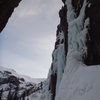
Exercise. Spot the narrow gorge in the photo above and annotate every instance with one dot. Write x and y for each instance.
(75, 68)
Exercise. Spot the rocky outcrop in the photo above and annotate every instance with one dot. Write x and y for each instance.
(63, 26)
(6, 9)
(15, 87)
(10, 79)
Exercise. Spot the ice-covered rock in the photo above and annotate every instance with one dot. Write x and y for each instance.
(74, 74)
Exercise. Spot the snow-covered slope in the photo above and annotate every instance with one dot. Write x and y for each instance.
(80, 83)
(14, 86)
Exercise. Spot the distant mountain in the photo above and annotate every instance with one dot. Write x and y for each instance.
(15, 87)
(34, 80)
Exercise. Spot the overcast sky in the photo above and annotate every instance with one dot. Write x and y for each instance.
(28, 39)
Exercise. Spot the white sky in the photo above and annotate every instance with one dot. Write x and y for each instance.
(28, 39)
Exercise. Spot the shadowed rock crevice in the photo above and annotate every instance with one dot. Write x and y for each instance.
(93, 38)
(53, 85)
(63, 26)
(77, 4)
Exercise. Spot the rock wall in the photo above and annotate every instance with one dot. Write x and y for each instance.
(93, 38)
(59, 53)
(78, 36)
(6, 9)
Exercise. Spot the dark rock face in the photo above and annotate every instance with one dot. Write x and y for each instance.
(62, 29)
(8, 78)
(6, 9)
(52, 87)
(63, 26)
(93, 42)
(11, 79)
